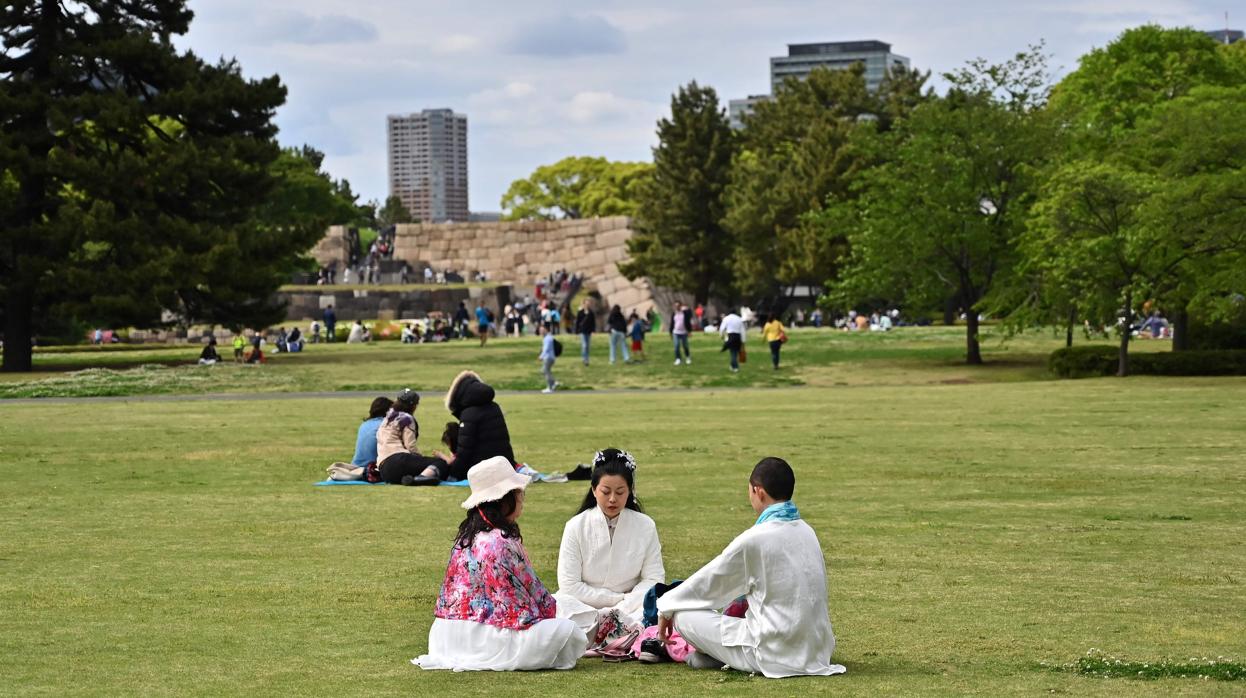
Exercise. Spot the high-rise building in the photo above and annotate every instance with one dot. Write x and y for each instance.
(876, 56)
(428, 164)
(1226, 36)
(836, 55)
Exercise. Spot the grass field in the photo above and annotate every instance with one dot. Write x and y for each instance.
(907, 356)
(976, 535)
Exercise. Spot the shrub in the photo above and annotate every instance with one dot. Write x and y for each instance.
(1101, 360)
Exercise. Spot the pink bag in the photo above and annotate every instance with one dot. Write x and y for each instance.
(678, 648)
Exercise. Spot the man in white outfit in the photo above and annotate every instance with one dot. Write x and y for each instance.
(777, 566)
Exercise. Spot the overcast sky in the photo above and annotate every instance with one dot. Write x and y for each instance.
(546, 79)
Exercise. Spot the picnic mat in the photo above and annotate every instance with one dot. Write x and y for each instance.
(524, 469)
(326, 483)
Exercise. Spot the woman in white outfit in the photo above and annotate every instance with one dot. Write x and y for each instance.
(493, 612)
(610, 555)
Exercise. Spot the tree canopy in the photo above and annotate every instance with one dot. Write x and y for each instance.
(138, 181)
(680, 241)
(576, 187)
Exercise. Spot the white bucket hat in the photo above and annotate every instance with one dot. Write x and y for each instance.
(491, 479)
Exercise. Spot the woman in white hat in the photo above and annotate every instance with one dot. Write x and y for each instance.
(493, 612)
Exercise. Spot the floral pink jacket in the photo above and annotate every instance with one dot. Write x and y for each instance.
(493, 582)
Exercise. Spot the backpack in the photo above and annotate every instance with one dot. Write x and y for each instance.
(557, 348)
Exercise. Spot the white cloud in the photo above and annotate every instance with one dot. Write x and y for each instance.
(455, 43)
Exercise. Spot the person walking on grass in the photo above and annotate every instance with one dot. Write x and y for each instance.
(618, 334)
(775, 336)
(778, 567)
(330, 323)
(460, 320)
(681, 325)
(585, 325)
(732, 332)
(637, 333)
(482, 322)
(548, 356)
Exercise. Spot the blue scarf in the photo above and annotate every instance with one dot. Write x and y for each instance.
(779, 511)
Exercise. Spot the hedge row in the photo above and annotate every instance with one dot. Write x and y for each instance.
(1100, 360)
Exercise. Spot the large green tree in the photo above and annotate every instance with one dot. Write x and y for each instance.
(576, 187)
(940, 214)
(796, 151)
(1107, 113)
(134, 174)
(680, 241)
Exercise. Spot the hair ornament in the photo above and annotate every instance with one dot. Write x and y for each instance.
(599, 459)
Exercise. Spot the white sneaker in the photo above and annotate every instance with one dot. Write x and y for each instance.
(548, 390)
(688, 360)
(677, 362)
(696, 660)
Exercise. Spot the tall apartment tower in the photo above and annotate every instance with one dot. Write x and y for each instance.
(428, 164)
(835, 55)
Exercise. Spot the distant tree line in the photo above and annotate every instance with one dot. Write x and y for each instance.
(1040, 204)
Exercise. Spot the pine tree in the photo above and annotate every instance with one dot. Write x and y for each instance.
(134, 177)
(679, 240)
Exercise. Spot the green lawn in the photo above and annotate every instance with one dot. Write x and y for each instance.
(906, 356)
(972, 531)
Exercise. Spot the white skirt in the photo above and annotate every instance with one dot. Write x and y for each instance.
(464, 645)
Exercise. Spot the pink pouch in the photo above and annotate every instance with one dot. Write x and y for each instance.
(678, 648)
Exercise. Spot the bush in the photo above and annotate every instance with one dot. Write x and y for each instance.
(1100, 360)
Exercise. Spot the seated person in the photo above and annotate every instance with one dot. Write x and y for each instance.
(208, 356)
(610, 554)
(482, 426)
(365, 439)
(777, 566)
(398, 459)
(493, 612)
(408, 334)
(294, 342)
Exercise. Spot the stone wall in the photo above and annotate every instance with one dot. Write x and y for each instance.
(518, 253)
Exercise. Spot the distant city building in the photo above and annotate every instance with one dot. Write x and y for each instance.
(737, 109)
(836, 55)
(1226, 36)
(428, 164)
(801, 59)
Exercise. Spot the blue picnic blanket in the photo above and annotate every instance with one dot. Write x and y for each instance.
(326, 483)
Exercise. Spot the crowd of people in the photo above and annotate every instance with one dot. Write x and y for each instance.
(613, 599)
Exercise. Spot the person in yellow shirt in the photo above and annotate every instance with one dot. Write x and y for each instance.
(775, 336)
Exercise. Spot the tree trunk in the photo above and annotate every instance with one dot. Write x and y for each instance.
(973, 353)
(1181, 330)
(1122, 366)
(17, 330)
(1068, 332)
(949, 310)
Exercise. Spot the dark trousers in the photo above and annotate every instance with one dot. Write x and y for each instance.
(734, 343)
(774, 352)
(396, 466)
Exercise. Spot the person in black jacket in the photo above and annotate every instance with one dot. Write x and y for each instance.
(585, 325)
(618, 334)
(482, 426)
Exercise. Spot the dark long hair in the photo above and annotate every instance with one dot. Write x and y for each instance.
(380, 407)
(612, 461)
(486, 517)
